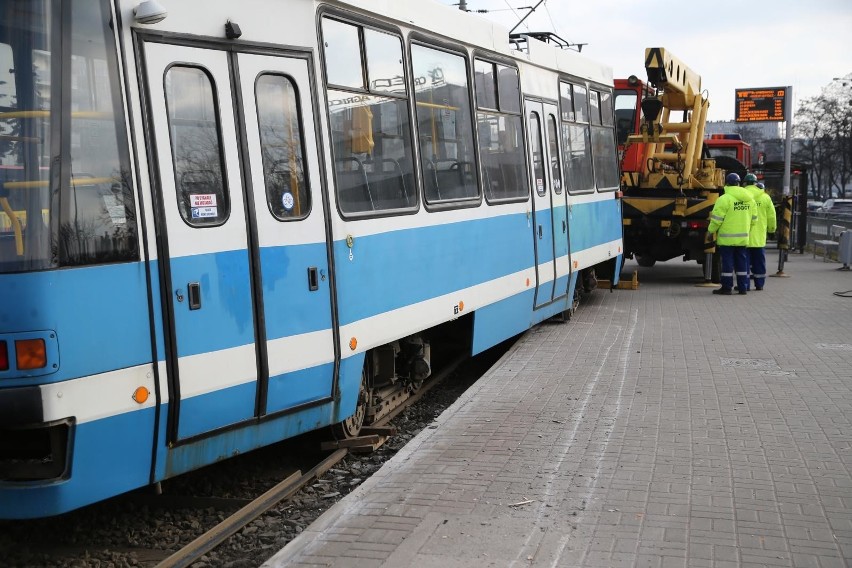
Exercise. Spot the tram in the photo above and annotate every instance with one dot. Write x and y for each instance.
(226, 224)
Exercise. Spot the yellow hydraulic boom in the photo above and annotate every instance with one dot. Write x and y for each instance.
(672, 155)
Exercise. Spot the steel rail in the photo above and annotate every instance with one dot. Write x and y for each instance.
(218, 534)
(288, 487)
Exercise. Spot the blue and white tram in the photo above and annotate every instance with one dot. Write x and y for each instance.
(224, 227)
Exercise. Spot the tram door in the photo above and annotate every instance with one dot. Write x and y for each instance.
(549, 216)
(242, 246)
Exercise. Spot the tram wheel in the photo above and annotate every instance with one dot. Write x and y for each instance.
(351, 427)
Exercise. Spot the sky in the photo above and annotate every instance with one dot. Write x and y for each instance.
(731, 44)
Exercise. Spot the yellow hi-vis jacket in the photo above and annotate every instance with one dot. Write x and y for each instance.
(766, 222)
(733, 216)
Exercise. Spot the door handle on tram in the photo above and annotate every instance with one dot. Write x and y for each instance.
(540, 233)
(313, 279)
(564, 227)
(193, 291)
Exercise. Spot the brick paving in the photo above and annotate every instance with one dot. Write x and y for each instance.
(659, 427)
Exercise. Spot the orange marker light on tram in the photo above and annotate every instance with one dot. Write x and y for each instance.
(353, 343)
(30, 354)
(141, 394)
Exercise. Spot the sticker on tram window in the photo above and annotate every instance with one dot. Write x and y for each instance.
(539, 185)
(115, 210)
(204, 212)
(203, 205)
(202, 200)
(287, 201)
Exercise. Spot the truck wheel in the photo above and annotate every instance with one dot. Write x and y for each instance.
(645, 261)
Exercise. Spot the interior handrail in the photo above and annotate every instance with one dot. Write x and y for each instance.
(43, 182)
(46, 114)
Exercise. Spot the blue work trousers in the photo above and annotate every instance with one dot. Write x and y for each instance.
(734, 260)
(757, 265)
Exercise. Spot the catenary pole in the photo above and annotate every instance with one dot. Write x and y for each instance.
(788, 144)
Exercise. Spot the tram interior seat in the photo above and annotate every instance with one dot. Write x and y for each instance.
(501, 174)
(444, 179)
(353, 188)
(387, 183)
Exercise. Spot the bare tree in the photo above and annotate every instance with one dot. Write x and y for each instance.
(824, 123)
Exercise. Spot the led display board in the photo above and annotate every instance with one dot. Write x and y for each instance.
(760, 105)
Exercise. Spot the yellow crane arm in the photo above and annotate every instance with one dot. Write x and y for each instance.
(679, 83)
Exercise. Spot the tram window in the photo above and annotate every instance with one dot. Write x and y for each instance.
(566, 101)
(371, 131)
(98, 206)
(509, 89)
(581, 103)
(537, 154)
(67, 200)
(343, 64)
(606, 108)
(501, 139)
(445, 130)
(603, 141)
(595, 108)
(384, 63)
(196, 147)
(282, 151)
(576, 138)
(486, 85)
(100, 188)
(501, 148)
(603, 149)
(555, 162)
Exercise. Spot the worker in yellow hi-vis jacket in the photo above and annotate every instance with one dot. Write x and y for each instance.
(766, 223)
(731, 219)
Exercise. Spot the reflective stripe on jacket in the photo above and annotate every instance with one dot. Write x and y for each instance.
(766, 222)
(733, 216)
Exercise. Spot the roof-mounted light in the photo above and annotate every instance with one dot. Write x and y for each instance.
(149, 12)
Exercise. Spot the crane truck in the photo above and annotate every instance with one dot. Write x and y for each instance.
(669, 178)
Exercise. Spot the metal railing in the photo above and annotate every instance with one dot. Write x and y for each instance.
(819, 226)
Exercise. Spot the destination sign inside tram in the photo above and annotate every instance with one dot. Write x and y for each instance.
(760, 105)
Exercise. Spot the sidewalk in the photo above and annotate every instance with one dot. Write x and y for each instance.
(660, 427)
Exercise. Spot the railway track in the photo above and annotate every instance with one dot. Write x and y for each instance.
(295, 482)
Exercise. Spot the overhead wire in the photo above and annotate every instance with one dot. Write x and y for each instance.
(550, 17)
(514, 12)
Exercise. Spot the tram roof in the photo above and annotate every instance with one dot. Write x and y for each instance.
(258, 21)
